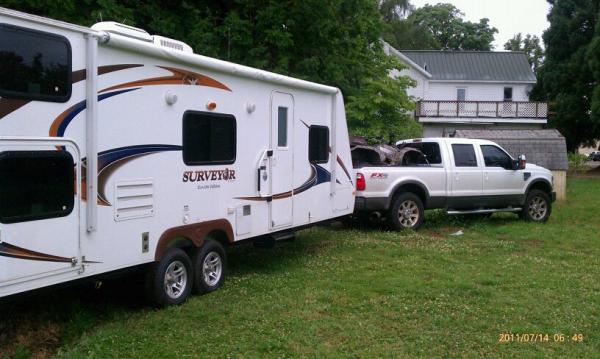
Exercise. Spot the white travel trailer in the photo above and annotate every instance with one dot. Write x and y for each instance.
(118, 148)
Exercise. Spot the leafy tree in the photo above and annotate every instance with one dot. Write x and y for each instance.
(593, 57)
(566, 78)
(335, 42)
(445, 23)
(406, 35)
(392, 10)
(530, 45)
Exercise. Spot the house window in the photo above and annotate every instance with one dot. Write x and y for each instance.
(318, 144)
(508, 94)
(34, 65)
(495, 157)
(208, 138)
(461, 94)
(464, 155)
(282, 126)
(36, 185)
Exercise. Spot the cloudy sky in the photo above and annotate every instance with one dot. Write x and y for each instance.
(508, 16)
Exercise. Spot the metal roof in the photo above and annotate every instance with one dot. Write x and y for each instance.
(546, 148)
(473, 65)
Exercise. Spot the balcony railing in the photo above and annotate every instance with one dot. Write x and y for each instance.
(485, 109)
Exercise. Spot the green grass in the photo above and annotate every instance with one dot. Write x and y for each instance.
(338, 292)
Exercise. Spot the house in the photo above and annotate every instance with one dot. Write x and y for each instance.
(471, 90)
(546, 148)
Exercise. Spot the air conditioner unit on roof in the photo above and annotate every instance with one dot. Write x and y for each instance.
(172, 44)
(122, 29)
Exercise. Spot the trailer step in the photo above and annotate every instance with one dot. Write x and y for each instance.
(485, 210)
(269, 240)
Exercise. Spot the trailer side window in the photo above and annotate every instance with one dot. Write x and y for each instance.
(208, 138)
(36, 185)
(282, 126)
(34, 65)
(318, 144)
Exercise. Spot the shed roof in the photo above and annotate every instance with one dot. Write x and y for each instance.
(473, 65)
(546, 148)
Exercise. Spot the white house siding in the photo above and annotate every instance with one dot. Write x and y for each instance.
(476, 91)
(422, 83)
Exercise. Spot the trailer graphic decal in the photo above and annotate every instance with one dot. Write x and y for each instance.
(60, 124)
(8, 105)
(318, 175)
(9, 250)
(110, 160)
(178, 77)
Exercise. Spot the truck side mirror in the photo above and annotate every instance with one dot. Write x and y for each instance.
(521, 162)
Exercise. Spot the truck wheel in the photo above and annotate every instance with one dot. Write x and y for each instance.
(209, 267)
(406, 212)
(171, 279)
(537, 207)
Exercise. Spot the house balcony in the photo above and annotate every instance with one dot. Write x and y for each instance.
(482, 111)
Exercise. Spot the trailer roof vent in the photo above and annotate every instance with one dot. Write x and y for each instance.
(172, 44)
(122, 29)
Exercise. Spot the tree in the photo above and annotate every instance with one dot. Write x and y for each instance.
(335, 42)
(566, 79)
(593, 58)
(530, 45)
(445, 23)
(392, 10)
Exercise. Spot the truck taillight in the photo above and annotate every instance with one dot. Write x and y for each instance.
(360, 182)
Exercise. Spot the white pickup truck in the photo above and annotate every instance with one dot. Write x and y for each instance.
(463, 176)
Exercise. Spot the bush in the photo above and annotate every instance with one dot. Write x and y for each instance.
(577, 162)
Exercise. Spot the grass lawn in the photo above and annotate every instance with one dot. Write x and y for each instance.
(338, 292)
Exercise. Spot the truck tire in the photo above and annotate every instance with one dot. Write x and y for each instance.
(406, 212)
(210, 262)
(171, 279)
(537, 206)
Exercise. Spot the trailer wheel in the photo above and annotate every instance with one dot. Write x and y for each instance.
(406, 212)
(171, 279)
(210, 262)
(537, 207)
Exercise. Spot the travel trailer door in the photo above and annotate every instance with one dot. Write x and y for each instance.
(39, 209)
(281, 162)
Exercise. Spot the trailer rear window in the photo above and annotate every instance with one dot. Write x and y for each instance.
(34, 65)
(208, 138)
(318, 144)
(36, 185)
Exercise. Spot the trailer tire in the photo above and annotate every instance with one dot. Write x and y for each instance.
(210, 263)
(406, 212)
(537, 208)
(171, 279)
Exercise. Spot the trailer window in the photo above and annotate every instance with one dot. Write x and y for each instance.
(282, 126)
(208, 138)
(464, 155)
(36, 185)
(318, 144)
(34, 65)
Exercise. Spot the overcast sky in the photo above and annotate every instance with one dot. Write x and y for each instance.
(508, 16)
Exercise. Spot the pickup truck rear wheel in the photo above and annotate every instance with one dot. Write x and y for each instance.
(406, 212)
(537, 206)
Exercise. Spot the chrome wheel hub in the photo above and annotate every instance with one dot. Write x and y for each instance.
(175, 279)
(212, 268)
(538, 208)
(408, 213)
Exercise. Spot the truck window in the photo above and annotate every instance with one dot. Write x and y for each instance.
(495, 157)
(34, 65)
(208, 138)
(318, 144)
(464, 155)
(36, 185)
(430, 149)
